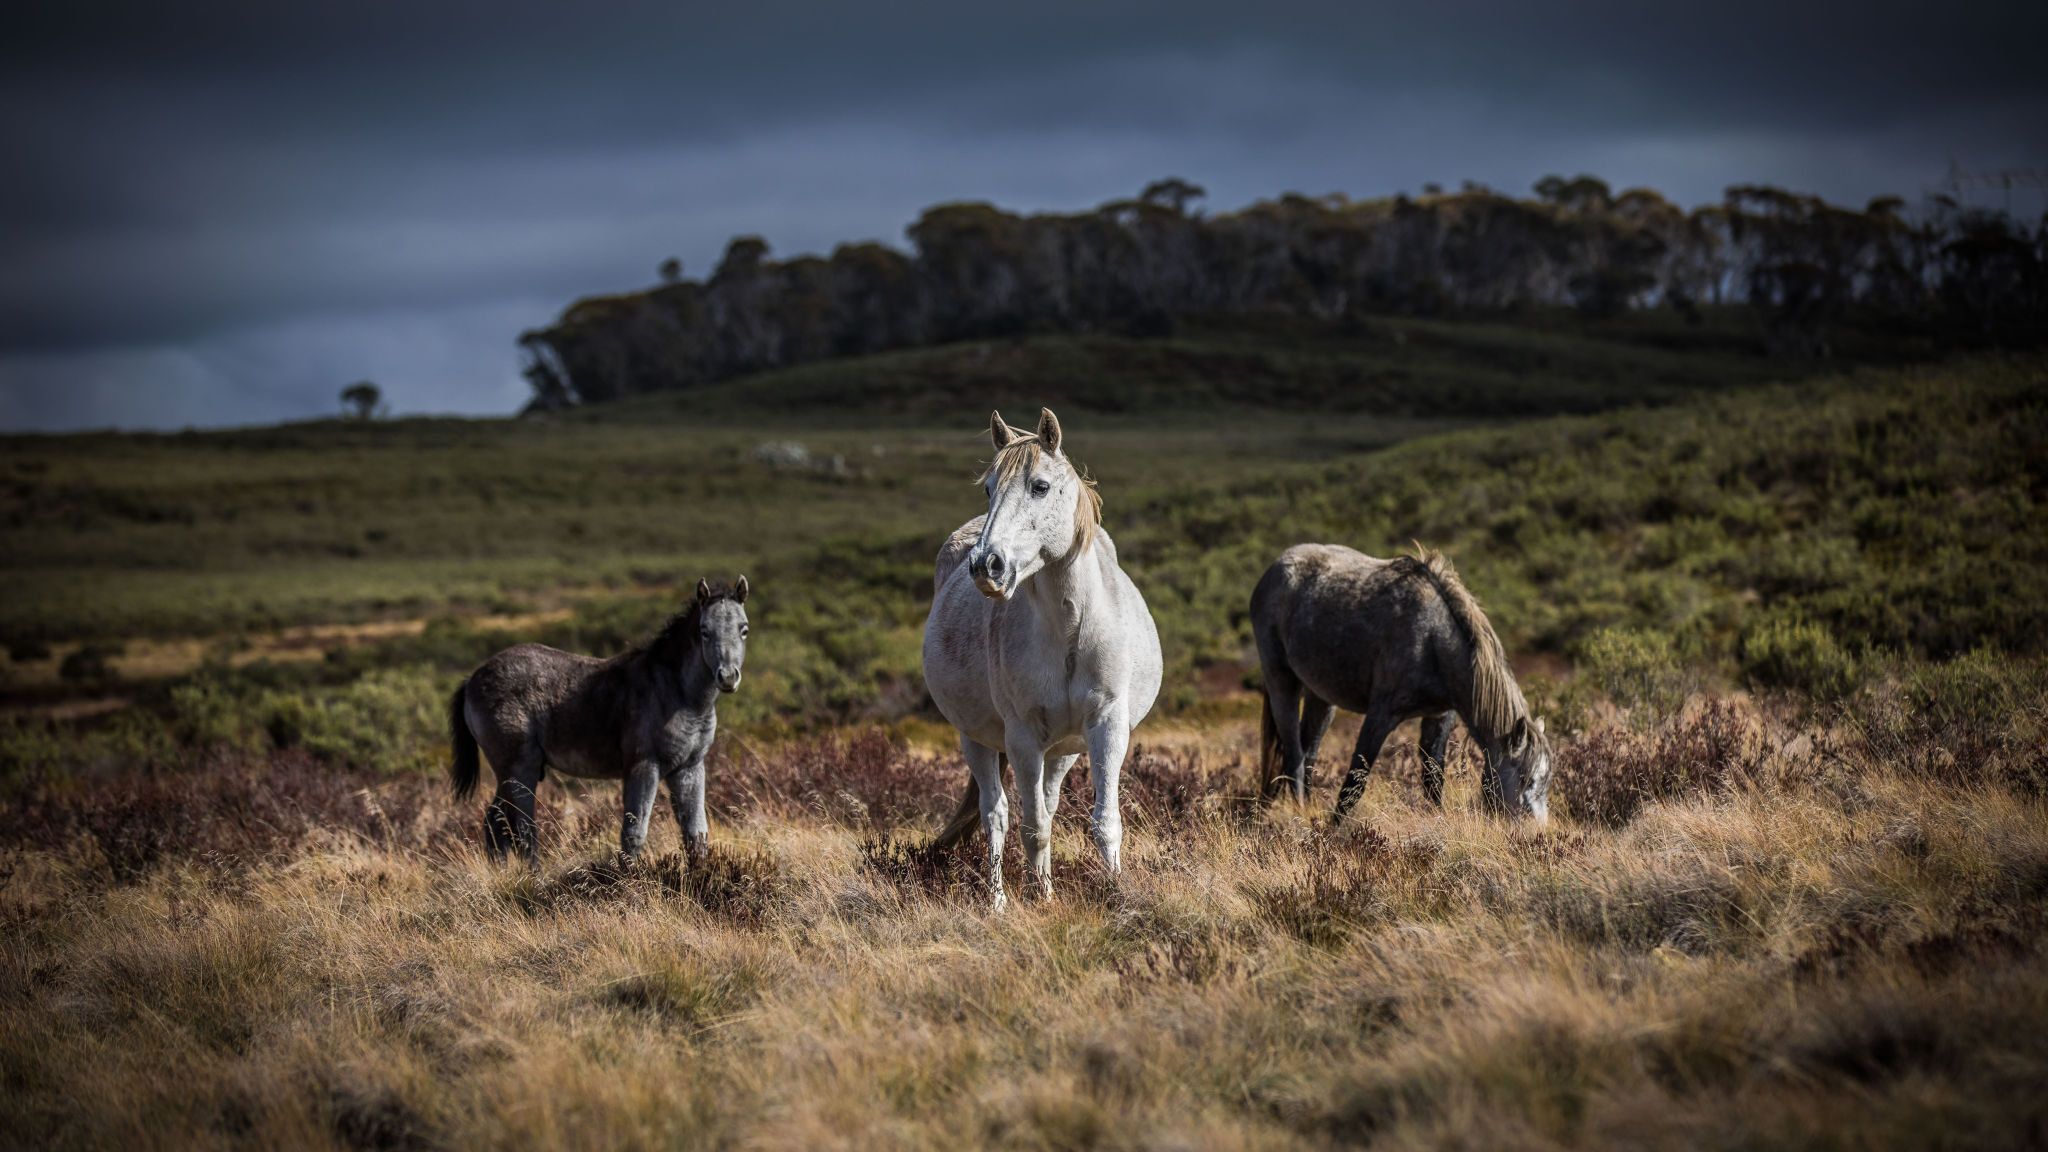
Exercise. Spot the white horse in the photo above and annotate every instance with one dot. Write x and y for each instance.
(1038, 648)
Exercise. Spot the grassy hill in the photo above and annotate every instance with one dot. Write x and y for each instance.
(111, 537)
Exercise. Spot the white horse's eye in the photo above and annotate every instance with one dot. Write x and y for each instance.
(1040, 487)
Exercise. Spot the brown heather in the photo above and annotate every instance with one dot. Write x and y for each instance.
(1762, 928)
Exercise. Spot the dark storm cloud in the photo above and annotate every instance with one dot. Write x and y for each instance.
(192, 180)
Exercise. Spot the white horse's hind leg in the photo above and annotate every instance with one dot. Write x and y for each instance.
(1027, 763)
(987, 765)
(1107, 741)
(1056, 777)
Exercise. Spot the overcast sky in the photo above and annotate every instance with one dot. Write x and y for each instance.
(223, 211)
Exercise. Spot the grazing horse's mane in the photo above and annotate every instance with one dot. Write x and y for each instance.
(679, 637)
(1014, 459)
(1497, 701)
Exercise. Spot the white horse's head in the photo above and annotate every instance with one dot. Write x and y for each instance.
(1040, 510)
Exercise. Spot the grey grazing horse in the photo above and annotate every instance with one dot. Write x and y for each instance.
(1038, 648)
(644, 717)
(1391, 639)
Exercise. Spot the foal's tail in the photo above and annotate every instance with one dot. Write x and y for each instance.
(1269, 748)
(463, 771)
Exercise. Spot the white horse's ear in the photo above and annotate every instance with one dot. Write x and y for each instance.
(739, 590)
(1000, 432)
(1518, 737)
(703, 591)
(1048, 430)
(1539, 726)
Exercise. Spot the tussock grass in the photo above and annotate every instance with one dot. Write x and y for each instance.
(1810, 946)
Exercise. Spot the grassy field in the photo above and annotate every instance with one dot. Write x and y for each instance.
(1788, 636)
(1783, 929)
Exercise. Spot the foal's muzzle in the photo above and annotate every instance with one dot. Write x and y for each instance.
(728, 680)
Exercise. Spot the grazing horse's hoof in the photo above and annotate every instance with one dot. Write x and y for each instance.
(999, 903)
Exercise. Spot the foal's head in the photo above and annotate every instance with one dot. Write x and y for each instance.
(722, 631)
(1040, 510)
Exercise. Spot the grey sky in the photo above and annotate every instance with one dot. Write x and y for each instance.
(222, 212)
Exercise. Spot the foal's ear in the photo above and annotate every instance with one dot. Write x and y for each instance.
(1000, 432)
(1048, 430)
(739, 590)
(703, 591)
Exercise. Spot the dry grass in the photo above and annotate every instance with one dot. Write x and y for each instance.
(1781, 941)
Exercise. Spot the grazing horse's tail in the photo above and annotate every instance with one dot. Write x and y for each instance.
(463, 771)
(1269, 748)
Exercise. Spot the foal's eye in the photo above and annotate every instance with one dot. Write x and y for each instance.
(1040, 487)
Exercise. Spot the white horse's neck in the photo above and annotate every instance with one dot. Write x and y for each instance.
(1075, 579)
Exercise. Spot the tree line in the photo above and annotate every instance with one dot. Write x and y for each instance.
(1946, 275)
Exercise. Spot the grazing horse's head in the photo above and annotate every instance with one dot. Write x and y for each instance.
(722, 632)
(1524, 765)
(1040, 510)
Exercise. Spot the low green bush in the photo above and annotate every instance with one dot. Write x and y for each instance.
(1800, 655)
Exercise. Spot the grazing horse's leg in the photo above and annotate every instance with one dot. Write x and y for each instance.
(1283, 697)
(686, 796)
(1055, 777)
(1436, 736)
(987, 765)
(1027, 764)
(1315, 721)
(1107, 740)
(508, 821)
(641, 781)
(1374, 732)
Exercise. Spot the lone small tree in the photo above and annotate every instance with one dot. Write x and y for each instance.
(360, 399)
(1172, 192)
(671, 270)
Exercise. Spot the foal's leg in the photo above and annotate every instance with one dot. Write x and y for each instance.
(1315, 721)
(1027, 763)
(1436, 736)
(1372, 734)
(987, 765)
(686, 796)
(1107, 741)
(641, 781)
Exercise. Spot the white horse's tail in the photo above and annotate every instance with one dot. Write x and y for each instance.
(967, 816)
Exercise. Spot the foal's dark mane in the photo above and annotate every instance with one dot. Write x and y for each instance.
(679, 637)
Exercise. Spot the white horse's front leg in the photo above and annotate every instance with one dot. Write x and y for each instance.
(987, 765)
(1108, 738)
(1027, 761)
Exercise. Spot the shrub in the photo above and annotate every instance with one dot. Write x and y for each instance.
(1638, 670)
(1607, 776)
(1796, 654)
(90, 662)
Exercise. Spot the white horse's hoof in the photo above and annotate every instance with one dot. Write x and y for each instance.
(999, 903)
